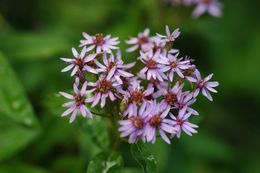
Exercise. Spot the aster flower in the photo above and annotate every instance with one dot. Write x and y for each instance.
(170, 37)
(78, 102)
(104, 87)
(181, 122)
(189, 74)
(173, 64)
(136, 95)
(169, 96)
(213, 7)
(140, 42)
(100, 42)
(114, 66)
(158, 45)
(157, 121)
(185, 99)
(144, 110)
(79, 63)
(134, 126)
(152, 65)
(205, 86)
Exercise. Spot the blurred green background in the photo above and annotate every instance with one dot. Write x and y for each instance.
(34, 34)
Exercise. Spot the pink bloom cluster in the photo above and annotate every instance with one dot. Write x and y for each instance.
(213, 7)
(157, 99)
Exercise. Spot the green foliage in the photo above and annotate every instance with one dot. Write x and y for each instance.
(13, 100)
(96, 130)
(143, 156)
(17, 120)
(32, 46)
(106, 163)
(20, 168)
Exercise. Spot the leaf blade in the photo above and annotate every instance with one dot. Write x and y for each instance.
(105, 163)
(142, 155)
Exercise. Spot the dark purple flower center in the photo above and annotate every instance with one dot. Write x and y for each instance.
(150, 63)
(170, 98)
(138, 122)
(156, 48)
(188, 72)
(179, 121)
(137, 96)
(79, 100)
(155, 121)
(80, 63)
(111, 64)
(80, 75)
(91, 63)
(155, 81)
(207, 2)
(104, 86)
(200, 84)
(174, 64)
(99, 39)
(181, 105)
(143, 40)
(125, 83)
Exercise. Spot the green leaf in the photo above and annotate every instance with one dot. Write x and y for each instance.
(13, 137)
(105, 163)
(131, 170)
(20, 168)
(13, 100)
(208, 147)
(95, 129)
(32, 46)
(142, 155)
(17, 121)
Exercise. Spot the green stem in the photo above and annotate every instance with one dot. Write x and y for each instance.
(113, 133)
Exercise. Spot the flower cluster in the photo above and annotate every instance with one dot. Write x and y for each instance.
(213, 7)
(154, 97)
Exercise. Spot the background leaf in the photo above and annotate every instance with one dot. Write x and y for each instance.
(143, 156)
(105, 163)
(17, 120)
(13, 100)
(21, 168)
(33, 46)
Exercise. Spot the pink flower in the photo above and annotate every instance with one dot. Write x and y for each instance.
(173, 64)
(136, 96)
(181, 122)
(185, 99)
(169, 96)
(100, 42)
(104, 87)
(170, 37)
(213, 7)
(80, 62)
(134, 126)
(78, 102)
(152, 65)
(157, 121)
(114, 66)
(205, 86)
(140, 42)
